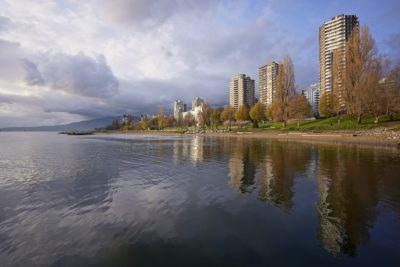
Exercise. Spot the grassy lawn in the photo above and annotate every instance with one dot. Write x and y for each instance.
(346, 123)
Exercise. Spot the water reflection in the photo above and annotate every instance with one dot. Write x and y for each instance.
(104, 200)
(348, 196)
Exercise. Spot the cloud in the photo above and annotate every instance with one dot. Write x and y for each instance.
(32, 74)
(79, 74)
(5, 23)
(152, 13)
(86, 59)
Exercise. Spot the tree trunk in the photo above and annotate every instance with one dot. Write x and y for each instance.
(376, 119)
(298, 124)
(255, 124)
(391, 117)
(359, 119)
(284, 124)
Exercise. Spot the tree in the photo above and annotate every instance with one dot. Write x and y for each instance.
(257, 113)
(328, 104)
(161, 120)
(268, 113)
(228, 115)
(205, 114)
(299, 108)
(216, 116)
(391, 88)
(375, 99)
(188, 120)
(115, 125)
(360, 61)
(242, 114)
(285, 91)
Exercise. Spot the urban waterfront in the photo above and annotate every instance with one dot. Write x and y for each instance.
(121, 200)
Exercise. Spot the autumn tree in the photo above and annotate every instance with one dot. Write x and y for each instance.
(228, 115)
(299, 108)
(360, 63)
(161, 118)
(242, 114)
(216, 116)
(257, 113)
(188, 120)
(285, 91)
(205, 115)
(328, 104)
(391, 88)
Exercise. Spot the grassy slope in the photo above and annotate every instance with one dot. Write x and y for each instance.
(346, 123)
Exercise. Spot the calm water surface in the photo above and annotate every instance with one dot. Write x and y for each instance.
(195, 201)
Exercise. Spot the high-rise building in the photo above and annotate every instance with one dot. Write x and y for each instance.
(332, 39)
(197, 102)
(179, 108)
(268, 82)
(241, 91)
(312, 94)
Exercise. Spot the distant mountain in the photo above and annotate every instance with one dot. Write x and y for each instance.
(75, 126)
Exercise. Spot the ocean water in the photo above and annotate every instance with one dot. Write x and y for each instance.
(137, 200)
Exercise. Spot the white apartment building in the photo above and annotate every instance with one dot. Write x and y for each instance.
(268, 82)
(312, 93)
(333, 35)
(241, 91)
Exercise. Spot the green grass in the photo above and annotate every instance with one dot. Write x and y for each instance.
(346, 123)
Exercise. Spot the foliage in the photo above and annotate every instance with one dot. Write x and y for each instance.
(205, 115)
(328, 104)
(216, 116)
(299, 108)
(242, 114)
(284, 92)
(257, 112)
(188, 120)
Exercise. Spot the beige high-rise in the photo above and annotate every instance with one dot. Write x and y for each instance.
(268, 82)
(332, 39)
(241, 91)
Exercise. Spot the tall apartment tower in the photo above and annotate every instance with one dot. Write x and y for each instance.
(312, 94)
(241, 91)
(332, 39)
(179, 108)
(268, 82)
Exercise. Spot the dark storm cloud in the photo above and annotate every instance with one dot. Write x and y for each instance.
(32, 74)
(150, 13)
(79, 74)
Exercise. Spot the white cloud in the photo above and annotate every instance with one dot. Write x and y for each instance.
(97, 57)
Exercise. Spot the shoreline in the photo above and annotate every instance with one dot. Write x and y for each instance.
(363, 138)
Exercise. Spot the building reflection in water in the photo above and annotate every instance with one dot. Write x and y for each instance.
(185, 149)
(242, 168)
(348, 195)
(350, 181)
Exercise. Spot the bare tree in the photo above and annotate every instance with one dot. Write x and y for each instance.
(360, 63)
(205, 115)
(391, 87)
(285, 91)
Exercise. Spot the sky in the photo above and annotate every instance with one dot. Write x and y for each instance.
(63, 61)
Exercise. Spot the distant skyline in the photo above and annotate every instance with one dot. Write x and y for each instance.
(65, 61)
